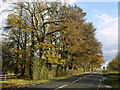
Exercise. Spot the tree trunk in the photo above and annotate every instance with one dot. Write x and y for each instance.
(57, 71)
(84, 69)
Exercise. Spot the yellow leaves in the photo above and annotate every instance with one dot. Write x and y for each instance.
(24, 30)
(62, 61)
(31, 49)
(96, 59)
(45, 45)
(39, 35)
(20, 51)
(53, 57)
(13, 17)
(27, 30)
(53, 60)
(40, 43)
(50, 53)
(38, 46)
(14, 20)
(100, 60)
(49, 45)
(53, 27)
(41, 7)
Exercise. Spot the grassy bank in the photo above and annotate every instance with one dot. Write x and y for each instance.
(22, 82)
(113, 79)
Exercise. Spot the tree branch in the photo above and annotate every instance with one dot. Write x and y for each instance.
(56, 30)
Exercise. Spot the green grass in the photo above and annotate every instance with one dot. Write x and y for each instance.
(113, 79)
(17, 81)
(21, 82)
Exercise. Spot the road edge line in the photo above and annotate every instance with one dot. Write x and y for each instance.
(61, 87)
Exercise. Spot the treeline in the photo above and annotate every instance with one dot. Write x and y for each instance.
(48, 39)
(114, 64)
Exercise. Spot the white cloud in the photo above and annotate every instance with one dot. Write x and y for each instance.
(108, 35)
(72, 1)
(96, 11)
(3, 16)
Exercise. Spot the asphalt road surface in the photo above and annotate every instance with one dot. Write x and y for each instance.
(88, 81)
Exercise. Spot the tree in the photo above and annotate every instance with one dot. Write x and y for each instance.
(114, 64)
(8, 59)
(51, 37)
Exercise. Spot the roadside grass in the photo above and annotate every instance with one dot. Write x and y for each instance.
(113, 79)
(22, 82)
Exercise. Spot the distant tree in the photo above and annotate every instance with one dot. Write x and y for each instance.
(114, 64)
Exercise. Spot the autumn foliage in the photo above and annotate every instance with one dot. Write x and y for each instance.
(48, 39)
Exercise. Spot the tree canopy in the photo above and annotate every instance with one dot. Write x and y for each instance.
(114, 64)
(48, 39)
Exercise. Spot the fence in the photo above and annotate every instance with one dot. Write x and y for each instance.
(7, 76)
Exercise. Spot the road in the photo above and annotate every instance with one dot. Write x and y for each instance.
(88, 81)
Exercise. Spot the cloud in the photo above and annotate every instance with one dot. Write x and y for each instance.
(3, 16)
(96, 11)
(108, 35)
(72, 1)
(69, 1)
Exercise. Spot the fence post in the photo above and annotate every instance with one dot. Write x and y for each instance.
(5, 77)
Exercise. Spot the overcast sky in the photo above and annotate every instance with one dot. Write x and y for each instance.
(103, 15)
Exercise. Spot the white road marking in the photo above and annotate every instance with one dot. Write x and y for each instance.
(100, 81)
(76, 80)
(61, 87)
(73, 82)
(80, 78)
(99, 84)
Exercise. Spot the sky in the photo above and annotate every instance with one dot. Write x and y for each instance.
(103, 15)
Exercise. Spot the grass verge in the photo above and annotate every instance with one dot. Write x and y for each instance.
(22, 82)
(113, 79)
